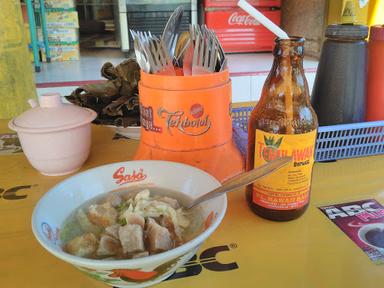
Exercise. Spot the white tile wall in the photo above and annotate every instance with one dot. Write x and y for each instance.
(244, 88)
(241, 89)
(248, 88)
(257, 83)
(311, 79)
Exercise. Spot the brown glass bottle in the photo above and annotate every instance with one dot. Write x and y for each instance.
(283, 116)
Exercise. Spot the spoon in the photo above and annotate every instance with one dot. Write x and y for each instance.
(241, 180)
(169, 36)
(181, 46)
(188, 54)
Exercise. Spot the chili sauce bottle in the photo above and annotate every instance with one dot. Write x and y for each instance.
(283, 123)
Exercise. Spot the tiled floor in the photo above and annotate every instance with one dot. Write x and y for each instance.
(248, 72)
(87, 68)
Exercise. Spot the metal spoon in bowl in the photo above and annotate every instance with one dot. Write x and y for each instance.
(241, 180)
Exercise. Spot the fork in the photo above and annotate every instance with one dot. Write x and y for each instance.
(222, 59)
(205, 52)
(141, 56)
(158, 55)
(144, 42)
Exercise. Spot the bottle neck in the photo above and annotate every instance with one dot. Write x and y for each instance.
(286, 88)
(284, 105)
(288, 56)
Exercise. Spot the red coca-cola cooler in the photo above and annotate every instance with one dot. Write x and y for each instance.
(236, 29)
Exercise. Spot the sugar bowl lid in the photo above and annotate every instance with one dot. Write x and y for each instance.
(51, 114)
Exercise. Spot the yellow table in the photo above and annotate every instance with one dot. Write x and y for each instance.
(250, 251)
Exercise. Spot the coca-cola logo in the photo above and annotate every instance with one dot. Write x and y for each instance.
(242, 19)
(123, 177)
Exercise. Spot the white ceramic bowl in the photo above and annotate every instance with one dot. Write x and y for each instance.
(57, 153)
(55, 137)
(55, 206)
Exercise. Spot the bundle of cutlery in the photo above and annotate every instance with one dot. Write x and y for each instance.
(194, 52)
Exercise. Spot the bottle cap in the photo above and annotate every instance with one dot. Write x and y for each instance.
(377, 32)
(346, 31)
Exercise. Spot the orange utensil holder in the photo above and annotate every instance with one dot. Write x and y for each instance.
(187, 119)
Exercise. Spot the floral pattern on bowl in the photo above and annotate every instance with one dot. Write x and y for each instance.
(133, 277)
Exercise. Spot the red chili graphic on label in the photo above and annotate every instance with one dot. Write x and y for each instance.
(122, 177)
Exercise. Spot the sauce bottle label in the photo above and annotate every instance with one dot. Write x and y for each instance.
(288, 188)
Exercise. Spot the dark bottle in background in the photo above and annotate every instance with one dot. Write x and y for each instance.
(339, 91)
